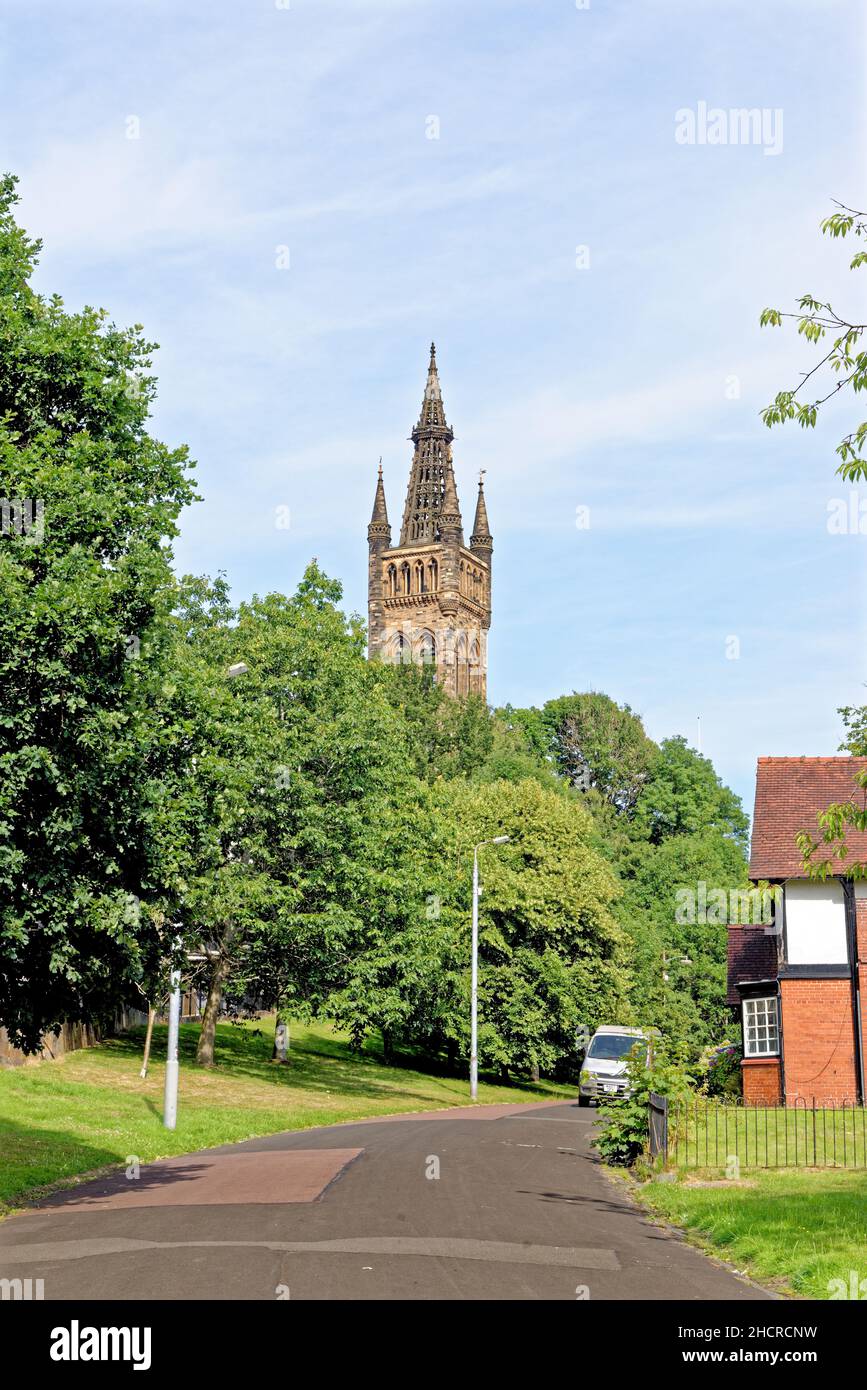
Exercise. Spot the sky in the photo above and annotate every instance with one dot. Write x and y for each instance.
(295, 198)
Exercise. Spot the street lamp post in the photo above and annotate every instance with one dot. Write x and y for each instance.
(170, 1095)
(666, 961)
(474, 985)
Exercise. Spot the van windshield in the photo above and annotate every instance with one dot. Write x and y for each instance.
(610, 1047)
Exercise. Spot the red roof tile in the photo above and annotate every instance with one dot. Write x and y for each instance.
(789, 794)
(752, 955)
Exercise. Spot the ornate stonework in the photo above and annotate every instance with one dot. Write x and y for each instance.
(429, 597)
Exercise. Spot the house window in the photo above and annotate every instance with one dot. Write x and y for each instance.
(815, 923)
(761, 1030)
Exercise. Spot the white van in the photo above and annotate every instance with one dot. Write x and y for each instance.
(603, 1072)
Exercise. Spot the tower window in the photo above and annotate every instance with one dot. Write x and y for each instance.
(462, 670)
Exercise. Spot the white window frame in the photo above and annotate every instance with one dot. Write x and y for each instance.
(761, 1025)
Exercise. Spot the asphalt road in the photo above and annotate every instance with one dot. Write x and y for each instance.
(501, 1202)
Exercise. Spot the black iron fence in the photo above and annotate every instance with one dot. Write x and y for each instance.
(658, 1124)
(701, 1133)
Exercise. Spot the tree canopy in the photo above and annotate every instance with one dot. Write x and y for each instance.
(90, 508)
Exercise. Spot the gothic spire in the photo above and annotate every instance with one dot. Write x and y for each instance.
(432, 413)
(431, 467)
(481, 535)
(379, 517)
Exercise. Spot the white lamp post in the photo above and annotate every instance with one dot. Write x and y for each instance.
(170, 1098)
(170, 1095)
(474, 987)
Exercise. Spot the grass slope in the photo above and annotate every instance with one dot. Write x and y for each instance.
(796, 1231)
(91, 1110)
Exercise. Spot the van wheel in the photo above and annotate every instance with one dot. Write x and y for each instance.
(583, 1100)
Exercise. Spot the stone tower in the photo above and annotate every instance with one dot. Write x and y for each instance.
(429, 597)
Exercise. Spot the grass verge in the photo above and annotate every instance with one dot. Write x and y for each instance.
(90, 1110)
(802, 1233)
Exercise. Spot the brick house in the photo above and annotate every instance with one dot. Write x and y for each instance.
(796, 983)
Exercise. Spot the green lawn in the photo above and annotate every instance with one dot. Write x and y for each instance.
(90, 1110)
(794, 1230)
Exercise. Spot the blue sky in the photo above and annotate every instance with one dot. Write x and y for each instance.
(630, 385)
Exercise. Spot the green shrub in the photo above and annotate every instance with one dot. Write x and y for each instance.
(724, 1074)
(624, 1136)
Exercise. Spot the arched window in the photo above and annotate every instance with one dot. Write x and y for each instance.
(419, 577)
(475, 681)
(427, 649)
(400, 649)
(433, 575)
(462, 584)
(392, 581)
(404, 578)
(461, 667)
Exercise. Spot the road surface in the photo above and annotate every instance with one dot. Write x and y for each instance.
(503, 1202)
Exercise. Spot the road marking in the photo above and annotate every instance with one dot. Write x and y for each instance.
(438, 1247)
(556, 1119)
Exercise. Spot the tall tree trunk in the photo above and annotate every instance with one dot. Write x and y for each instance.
(534, 1072)
(219, 975)
(280, 1051)
(152, 1013)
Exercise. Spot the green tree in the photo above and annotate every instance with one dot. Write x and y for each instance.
(599, 744)
(842, 361)
(273, 793)
(551, 953)
(446, 737)
(683, 795)
(687, 828)
(90, 508)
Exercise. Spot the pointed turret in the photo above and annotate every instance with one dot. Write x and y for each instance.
(431, 466)
(378, 541)
(450, 511)
(379, 526)
(481, 539)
